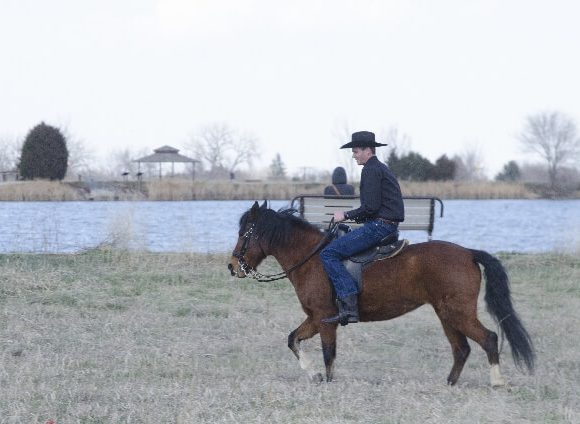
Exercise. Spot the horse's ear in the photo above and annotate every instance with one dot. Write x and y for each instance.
(255, 210)
(264, 205)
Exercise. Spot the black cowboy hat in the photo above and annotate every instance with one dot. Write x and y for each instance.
(362, 139)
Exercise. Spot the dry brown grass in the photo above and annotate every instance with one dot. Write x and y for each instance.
(467, 190)
(182, 189)
(116, 337)
(176, 189)
(37, 191)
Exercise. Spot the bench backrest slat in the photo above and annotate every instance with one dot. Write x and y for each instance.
(318, 210)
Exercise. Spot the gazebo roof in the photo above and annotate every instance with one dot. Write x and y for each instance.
(166, 154)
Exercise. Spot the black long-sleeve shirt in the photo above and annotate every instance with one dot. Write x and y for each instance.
(380, 194)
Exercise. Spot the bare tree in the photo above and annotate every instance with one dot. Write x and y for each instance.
(342, 133)
(80, 157)
(397, 141)
(243, 151)
(470, 165)
(9, 153)
(554, 136)
(223, 148)
(211, 144)
(118, 162)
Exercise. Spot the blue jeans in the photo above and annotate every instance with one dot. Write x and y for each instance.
(350, 244)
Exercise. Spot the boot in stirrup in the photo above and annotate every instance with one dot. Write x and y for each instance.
(347, 311)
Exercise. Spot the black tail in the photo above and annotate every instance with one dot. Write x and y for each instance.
(499, 305)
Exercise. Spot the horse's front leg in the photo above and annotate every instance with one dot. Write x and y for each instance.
(328, 338)
(305, 331)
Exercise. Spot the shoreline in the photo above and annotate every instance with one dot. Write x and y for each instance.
(183, 190)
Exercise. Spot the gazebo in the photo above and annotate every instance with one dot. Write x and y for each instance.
(163, 155)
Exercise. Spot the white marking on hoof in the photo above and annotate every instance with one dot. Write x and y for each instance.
(306, 364)
(496, 377)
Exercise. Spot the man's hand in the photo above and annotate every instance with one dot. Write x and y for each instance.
(339, 216)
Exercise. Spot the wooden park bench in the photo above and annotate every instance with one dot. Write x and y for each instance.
(318, 210)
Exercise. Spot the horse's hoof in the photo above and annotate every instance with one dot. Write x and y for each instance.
(496, 378)
(317, 378)
(498, 383)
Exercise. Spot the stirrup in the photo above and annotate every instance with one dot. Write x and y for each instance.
(351, 319)
(344, 320)
(331, 320)
(347, 311)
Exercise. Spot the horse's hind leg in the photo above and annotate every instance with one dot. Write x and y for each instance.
(490, 347)
(460, 349)
(487, 339)
(305, 331)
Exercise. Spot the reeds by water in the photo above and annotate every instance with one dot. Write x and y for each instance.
(173, 189)
(38, 191)
(468, 190)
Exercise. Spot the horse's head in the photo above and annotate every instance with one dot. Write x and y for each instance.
(248, 253)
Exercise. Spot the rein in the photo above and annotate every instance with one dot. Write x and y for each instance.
(251, 272)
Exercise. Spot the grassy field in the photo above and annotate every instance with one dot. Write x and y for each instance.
(115, 337)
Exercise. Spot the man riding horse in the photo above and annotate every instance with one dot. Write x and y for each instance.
(381, 211)
(439, 273)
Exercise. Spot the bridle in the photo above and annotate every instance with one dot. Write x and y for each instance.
(252, 272)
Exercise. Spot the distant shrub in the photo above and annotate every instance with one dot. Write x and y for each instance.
(414, 167)
(410, 167)
(444, 169)
(44, 154)
(510, 172)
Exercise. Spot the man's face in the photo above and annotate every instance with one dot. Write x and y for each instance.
(361, 154)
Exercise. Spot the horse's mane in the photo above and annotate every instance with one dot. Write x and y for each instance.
(277, 228)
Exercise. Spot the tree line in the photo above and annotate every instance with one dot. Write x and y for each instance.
(414, 167)
(552, 136)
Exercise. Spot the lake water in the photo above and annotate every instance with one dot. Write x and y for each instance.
(211, 226)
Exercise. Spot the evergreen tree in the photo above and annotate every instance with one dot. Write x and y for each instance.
(444, 169)
(411, 167)
(393, 160)
(277, 167)
(44, 154)
(510, 172)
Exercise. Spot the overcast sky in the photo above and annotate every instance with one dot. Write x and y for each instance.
(139, 74)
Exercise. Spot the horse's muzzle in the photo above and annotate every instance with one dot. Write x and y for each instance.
(236, 272)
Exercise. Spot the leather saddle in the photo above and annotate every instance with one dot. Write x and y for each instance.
(388, 247)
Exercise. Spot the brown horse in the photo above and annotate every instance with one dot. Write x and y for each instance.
(444, 275)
